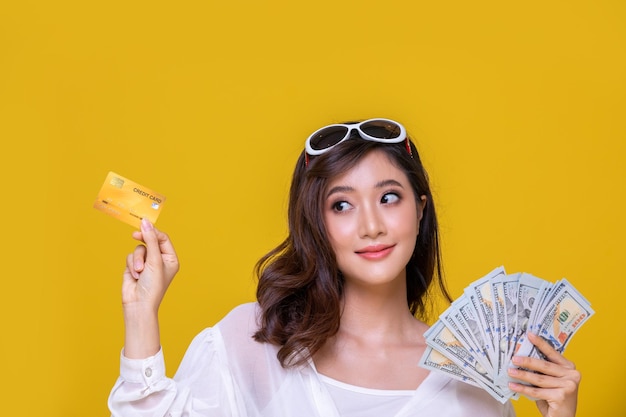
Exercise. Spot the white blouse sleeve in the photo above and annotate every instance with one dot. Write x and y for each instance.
(202, 385)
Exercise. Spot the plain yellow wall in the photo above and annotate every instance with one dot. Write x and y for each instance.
(518, 110)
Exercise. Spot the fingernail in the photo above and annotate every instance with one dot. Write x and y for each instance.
(137, 265)
(513, 371)
(516, 360)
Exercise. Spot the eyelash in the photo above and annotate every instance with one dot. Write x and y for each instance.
(336, 206)
(395, 194)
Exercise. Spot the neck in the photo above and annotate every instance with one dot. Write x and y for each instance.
(379, 311)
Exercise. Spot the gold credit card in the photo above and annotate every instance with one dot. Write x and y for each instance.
(128, 201)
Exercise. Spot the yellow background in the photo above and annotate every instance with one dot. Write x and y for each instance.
(518, 109)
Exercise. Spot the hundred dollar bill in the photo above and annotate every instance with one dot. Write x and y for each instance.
(480, 295)
(541, 299)
(510, 285)
(453, 321)
(544, 297)
(528, 288)
(455, 328)
(561, 319)
(500, 343)
(465, 315)
(441, 339)
(433, 360)
(549, 298)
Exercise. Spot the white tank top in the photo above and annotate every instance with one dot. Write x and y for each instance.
(354, 401)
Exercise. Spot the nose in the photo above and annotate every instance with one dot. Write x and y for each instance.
(371, 222)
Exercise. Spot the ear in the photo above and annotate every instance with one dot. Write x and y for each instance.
(421, 204)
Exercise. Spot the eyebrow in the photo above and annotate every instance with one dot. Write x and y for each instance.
(348, 189)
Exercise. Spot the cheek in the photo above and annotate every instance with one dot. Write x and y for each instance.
(408, 222)
(417, 214)
(338, 232)
(332, 230)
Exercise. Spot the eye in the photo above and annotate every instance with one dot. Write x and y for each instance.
(390, 198)
(340, 206)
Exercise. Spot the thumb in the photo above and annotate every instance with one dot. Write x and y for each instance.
(151, 240)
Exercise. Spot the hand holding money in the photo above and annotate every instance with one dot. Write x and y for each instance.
(552, 382)
(476, 338)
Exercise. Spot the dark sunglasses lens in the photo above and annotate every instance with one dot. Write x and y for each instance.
(381, 129)
(328, 137)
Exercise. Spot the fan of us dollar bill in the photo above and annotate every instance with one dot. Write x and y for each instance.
(476, 337)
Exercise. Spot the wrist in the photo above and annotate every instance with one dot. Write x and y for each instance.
(141, 334)
(140, 311)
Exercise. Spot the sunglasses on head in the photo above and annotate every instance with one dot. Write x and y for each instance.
(376, 130)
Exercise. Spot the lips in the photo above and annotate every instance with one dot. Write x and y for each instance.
(375, 251)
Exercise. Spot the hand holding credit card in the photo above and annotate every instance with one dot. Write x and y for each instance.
(128, 201)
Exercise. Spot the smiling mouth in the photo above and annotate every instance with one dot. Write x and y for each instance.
(375, 251)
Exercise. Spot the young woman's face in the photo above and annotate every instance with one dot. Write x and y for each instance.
(372, 220)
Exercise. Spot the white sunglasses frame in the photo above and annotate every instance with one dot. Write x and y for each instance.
(357, 126)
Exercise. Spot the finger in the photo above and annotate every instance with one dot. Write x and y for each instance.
(137, 235)
(149, 236)
(139, 256)
(541, 366)
(533, 392)
(165, 244)
(130, 270)
(548, 351)
(170, 260)
(162, 237)
(533, 378)
(567, 388)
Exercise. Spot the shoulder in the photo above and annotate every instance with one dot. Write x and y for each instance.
(232, 339)
(249, 362)
(242, 316)
(239, 325)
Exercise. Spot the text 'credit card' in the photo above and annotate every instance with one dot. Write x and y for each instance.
(128, 201)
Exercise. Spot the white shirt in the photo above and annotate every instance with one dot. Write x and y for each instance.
(225, 373)
(353, 401)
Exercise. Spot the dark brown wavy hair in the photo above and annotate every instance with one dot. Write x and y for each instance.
(300, 287)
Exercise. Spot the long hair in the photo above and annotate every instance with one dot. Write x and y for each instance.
(300, 286)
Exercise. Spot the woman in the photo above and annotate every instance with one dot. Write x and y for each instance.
(334, 332)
